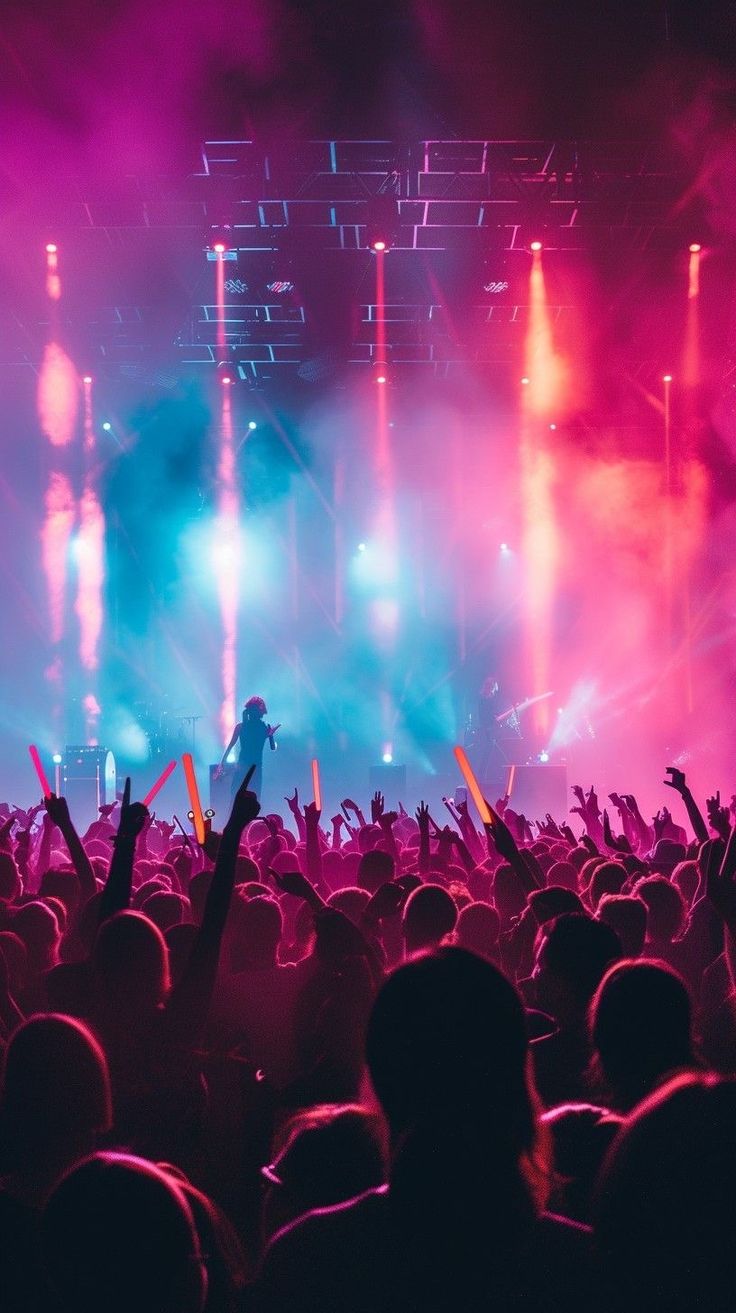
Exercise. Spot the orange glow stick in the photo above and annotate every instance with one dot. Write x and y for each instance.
(316, 786)
(159, 783)
(45, 786)
(194, 803)
(473, 785)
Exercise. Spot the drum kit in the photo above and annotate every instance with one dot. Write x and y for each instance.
(170, 732)
(508, 721)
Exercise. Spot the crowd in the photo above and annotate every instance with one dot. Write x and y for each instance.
(392, 1063)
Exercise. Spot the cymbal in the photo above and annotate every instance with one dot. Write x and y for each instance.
(517, 707)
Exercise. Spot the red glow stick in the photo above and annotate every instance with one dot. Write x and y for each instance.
(45, 786)
(316, 786)
(193, 791)
(159, 783)
(473, 785)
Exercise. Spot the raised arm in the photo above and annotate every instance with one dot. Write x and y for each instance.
(116, 894)
(233, 740)
(189, 1000)
(58, 811)
(500, 837)
(422, 815)
(679, 784)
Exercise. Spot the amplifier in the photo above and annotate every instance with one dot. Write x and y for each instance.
(89, 782)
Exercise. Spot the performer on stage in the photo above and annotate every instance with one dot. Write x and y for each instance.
(251, 733)
(488, 707)
(491, 758)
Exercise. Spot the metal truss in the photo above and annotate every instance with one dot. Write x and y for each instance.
(462, 214)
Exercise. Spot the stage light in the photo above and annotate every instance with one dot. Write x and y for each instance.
(219, 247)
(525, 381)
(553, 427)
(57, 759)
(107, 426)
(694, 248)
(381, 377)
(226, 378)
(361, 547)
(505, 548)
(667, 378)
(387, 757)
(535, 246)
(544, 756)
(51, 248)
(223, 554)
(87, 378)
(378, 244)
(252, 425)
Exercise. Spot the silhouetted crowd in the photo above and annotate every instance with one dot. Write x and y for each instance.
(394, 1062)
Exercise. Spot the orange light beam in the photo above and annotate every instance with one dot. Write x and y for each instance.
(476, 792)
(316, 785)
(197, 815)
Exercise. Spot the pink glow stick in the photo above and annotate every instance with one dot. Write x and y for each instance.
(316, 786)
(473, 785)
(159, 783)
(45, 786)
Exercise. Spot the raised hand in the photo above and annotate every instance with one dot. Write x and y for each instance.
(377, 806)
(311, 813)
(293, 803)
(620, 845)
(245, 806)
(422, 815)
(386, 901)
(292, 882)
(57, 810)
(660, 822)
(678, 781)
(718, 817)
(133, 815)
(501, 835)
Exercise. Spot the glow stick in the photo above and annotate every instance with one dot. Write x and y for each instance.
(316, 786)
(45, 786)
(193, 791)
(159, 784)
(473, 785)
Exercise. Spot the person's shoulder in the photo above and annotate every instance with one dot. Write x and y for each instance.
(564, 1231)
(330, 1229)
(359, 1213)
(563, 1259)
(324, 1259)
